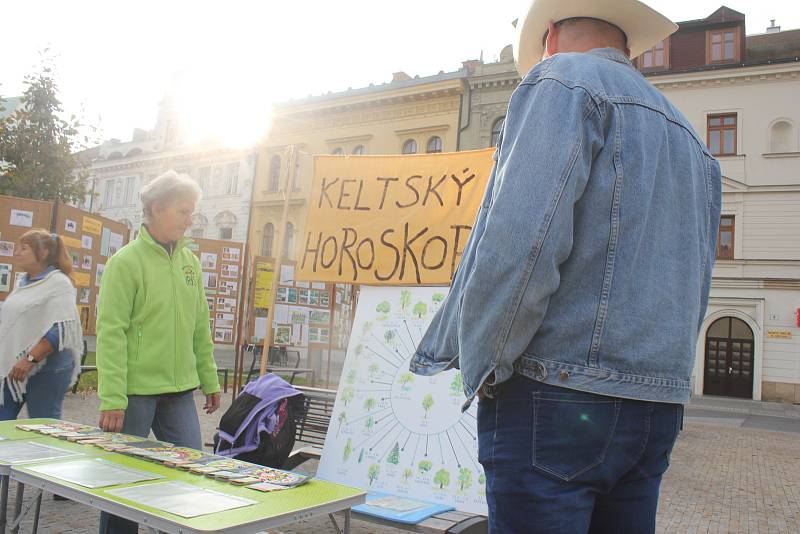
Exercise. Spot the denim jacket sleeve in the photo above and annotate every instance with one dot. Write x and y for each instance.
(551, 135)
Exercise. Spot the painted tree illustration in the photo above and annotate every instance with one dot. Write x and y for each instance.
(359, 350)
(394, 456)
(370, 403)
(464, 478)
(369, 423)
(390, 336)
(425, 466)
(420, 309)
(373, 472)
(427, 404)
(405, 300)
(342, 419)
(438, 298)
(348, 449)
(347, 395)
(481, 479)
(442, 478)
(373, 370)
(361, 456)
(351, 376)
(383, 308)
(457, 385)
(366, 328)
(407, 474)
(405, 380)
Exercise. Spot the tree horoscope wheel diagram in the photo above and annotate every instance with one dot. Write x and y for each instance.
(394, 431)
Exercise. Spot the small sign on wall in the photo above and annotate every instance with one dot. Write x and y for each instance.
(779, 334)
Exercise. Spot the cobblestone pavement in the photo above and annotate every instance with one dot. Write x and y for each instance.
(723, 479)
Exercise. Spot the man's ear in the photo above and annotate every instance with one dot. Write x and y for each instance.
(551, 43)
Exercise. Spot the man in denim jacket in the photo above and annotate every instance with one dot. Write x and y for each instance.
(575, 311)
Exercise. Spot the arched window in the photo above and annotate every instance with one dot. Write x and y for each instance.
(199, 223)
(338, 151)
(267, 238)
(781, 137)
(434, 145)
(359, 150)
(274, 173)
(288, 242)
(497, 127)
(410, 147)
(226, 222)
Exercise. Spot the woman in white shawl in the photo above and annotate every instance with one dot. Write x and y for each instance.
(40, 331)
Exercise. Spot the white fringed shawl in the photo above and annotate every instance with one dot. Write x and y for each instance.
(27, 315)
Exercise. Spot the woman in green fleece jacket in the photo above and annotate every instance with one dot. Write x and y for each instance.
(154, 345)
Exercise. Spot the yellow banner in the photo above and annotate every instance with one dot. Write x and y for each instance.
(81, 279)
(391, 220)
(92, 226)
(264, 276)
(71, 242)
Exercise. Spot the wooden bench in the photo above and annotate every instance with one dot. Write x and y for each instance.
(312, 427)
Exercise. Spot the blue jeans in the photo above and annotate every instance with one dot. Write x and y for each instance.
(45, 390)
(563, 461)
(173, 418)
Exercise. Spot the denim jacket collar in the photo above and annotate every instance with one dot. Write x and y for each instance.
(613, 54)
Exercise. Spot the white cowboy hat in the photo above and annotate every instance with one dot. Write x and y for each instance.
(643, 25)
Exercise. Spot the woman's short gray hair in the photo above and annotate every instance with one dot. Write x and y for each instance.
(168, 187)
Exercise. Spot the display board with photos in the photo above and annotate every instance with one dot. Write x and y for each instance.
(307, 314)
(221, 264)
(17, 216)
(91, 240)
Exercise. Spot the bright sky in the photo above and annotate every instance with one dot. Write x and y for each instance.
(116, 59)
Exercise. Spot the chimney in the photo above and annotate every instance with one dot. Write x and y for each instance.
(400, 76)
(772, 28)
(470, 65)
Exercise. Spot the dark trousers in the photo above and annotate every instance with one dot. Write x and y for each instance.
(563, 461)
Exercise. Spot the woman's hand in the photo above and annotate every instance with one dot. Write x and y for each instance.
(19, 372)
(212, 403)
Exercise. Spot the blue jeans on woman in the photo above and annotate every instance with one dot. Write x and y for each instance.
(173, 418)
(563, 461)
(45, 390)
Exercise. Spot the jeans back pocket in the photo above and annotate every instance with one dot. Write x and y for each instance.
(571, 431)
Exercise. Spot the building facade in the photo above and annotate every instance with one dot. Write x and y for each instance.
(120, 169)
(739, 92)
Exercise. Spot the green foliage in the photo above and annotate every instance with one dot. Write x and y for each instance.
(373, 370)
(420, 309)
(427, 403)
(405, 300)
(407, 473)
(361, 456)
(373, 472)
(369, 423)
(424, 466)
(351, 376)
(438, 297)
(442, 478)
(370, 403)
(394, 456)
(464, 478)
(37, 145)
(348, 449)
(384, 307)
(359, 350)
(405, 380)
(390, 336)
(347, 395)
(342, 419)
(482, 479)
(457, 385)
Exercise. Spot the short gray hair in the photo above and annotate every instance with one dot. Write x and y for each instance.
(168, 187)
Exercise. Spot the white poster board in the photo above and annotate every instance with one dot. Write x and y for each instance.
(393, 431)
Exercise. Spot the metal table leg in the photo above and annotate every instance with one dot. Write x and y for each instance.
(36, 513)
(18, 505)
(347, 521)
(4, 479)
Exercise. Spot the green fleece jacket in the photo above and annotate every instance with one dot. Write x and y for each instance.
(153, 335)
